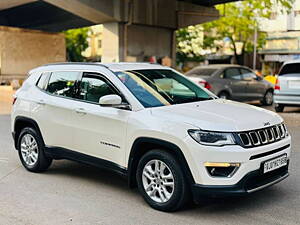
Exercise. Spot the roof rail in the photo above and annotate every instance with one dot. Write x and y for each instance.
(75, 63)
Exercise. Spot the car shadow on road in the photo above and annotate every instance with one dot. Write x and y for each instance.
(115, 182)
(252, 202)
(89, 174)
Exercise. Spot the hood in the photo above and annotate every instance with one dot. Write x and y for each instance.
(219, 115)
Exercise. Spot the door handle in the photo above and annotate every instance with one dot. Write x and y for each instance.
(80, 111)
(41, 102)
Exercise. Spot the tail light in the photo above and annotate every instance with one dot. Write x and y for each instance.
(14, 100)
(205, 84)
(277, 85)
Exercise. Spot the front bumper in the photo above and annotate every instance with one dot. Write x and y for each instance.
(251, 182)
(250, 159)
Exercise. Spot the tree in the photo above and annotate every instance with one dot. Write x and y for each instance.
(237, 23)
(76, 43)
(189, 43)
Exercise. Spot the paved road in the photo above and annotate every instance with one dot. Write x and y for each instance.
(70, 193)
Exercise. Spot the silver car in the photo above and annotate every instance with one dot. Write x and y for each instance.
(233, 82)
(287, 88)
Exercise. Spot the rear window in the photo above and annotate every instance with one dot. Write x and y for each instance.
(62, 83)
(291, 68)
(42, 81)
(201, 72)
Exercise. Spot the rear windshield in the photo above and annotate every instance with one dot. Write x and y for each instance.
(290, 69)
(201, 72)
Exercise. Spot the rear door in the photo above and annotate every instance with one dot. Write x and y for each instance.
(236, 84)
(52, 107)
(289, 79)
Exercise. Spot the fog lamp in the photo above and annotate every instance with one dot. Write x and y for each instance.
(221, 169)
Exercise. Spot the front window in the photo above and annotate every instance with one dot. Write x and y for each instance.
(93, 87)
(155, 88)
(233, 73)
(248, 75)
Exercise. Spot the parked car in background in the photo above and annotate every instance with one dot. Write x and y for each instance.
(233, 82)
(287, 87)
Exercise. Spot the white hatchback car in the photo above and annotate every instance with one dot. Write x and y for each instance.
(170, 137)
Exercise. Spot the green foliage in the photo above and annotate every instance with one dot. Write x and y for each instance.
(76, 43)
(237, 23)
(189, 43)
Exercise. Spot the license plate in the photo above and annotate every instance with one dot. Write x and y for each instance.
(275, 163)
(295, 84)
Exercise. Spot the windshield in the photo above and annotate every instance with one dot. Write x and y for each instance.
(155, 88)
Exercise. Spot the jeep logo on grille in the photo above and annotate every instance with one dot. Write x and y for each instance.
(267, 124)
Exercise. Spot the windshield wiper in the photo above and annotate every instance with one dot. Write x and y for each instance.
(198, 99)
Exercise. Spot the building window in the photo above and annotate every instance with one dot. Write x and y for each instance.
(273, 15)
(297, 12)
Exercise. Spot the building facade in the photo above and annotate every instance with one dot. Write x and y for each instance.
(283, 41)
(95, 37)
(21, 50)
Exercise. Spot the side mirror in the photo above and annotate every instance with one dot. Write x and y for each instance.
(113, 101)
(110, 100)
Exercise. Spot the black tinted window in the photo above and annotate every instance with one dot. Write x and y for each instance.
(92, 88)
(42, 81)
(62, 83)
(233, 73)
(290, 68)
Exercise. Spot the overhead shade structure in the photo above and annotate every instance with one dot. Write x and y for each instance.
(133, 30)
(210, 2)
(58, 15)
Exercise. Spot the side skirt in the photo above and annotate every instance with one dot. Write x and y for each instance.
(62, 153)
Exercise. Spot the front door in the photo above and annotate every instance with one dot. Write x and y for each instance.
(236, 83)
(255, 87)
(99, 131)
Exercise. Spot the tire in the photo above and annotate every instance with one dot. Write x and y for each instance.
(31, 151)
(279, 108)
(177, 195)
(223, 95)
(268, 98)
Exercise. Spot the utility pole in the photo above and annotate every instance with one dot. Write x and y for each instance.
(255, 47)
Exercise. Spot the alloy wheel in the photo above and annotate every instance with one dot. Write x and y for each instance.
(29, 149)
(269, 98)
(158, 181)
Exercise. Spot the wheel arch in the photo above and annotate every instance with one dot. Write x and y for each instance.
(20, 123)
(144, 144)
(224, 91)
(270, 89)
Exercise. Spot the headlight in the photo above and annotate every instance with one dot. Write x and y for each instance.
(212, 138)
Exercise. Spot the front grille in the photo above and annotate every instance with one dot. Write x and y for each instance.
(263, 136)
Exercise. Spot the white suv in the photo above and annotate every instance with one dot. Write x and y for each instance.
(170, 137)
